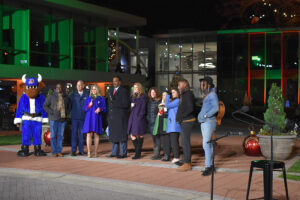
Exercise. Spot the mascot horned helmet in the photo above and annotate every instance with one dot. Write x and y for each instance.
(31, 82)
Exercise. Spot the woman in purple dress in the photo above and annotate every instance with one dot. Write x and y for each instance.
(137, 118)
(94, 106)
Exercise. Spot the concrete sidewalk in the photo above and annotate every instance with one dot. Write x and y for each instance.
(36, 184)
(231, 178)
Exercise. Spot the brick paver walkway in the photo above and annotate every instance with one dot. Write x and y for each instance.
(231, 178)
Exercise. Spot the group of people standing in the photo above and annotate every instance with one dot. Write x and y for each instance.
(167, 117)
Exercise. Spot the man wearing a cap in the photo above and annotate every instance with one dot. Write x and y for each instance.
(207, 118)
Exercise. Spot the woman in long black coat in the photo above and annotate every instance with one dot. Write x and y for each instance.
(137, 118)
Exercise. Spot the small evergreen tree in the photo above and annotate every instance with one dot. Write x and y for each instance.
(275, 114)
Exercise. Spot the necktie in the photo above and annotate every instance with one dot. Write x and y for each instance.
(115, 91)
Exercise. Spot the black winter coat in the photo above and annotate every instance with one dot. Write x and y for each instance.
(186, 107)
(152, 110)
(118, 113)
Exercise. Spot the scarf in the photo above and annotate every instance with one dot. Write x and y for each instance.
(61, 106)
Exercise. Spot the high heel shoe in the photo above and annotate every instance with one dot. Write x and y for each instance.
(89, 154)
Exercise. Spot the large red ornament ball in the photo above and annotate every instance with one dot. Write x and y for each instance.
(251, 146)
(47, 137)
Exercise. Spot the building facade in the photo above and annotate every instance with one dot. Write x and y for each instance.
(243, 63)
(64, 41)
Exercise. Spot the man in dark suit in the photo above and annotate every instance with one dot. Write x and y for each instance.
(118, 102)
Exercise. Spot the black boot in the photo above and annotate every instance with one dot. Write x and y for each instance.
(140, 143)
(136, 146)
(38, 151)
(207, 171)
(24, 151)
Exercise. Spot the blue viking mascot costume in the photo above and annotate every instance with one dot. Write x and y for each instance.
(31, 114)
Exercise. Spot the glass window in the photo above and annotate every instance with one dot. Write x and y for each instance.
(290, 67)
(162, 50)
(198, 53)
(273, 51)
(84, 46)
(143, 53)
(50, 44)
(290, 54)
(14, 38)
(257, 48)
(175, 54)
(187, 55)
(162, 81)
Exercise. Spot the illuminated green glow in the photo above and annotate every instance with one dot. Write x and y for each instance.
(47, 33)
(258, 30)
(20, 24)
(5, 22)
(255, 58)
(101, 49)
(273, 74)
(64, 43)
(71, 23)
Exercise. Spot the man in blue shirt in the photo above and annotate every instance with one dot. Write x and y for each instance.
(207, 118)
(77, 114)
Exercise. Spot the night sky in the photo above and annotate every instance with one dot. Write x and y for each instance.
(170, 16)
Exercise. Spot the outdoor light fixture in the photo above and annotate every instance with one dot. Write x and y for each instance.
(207, 65)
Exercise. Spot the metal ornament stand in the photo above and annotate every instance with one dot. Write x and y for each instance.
(213, 142)
(267, 165)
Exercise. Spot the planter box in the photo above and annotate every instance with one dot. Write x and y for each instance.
(282, 146)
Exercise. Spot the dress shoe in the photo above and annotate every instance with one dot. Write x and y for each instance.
(81, 154)
(124, 156)
(110, 156)
(207, 171)
(60, 155)
(73, 154)
(185, 167)
(54, 155)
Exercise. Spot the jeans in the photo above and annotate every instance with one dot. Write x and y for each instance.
(57, 129)
(207, 128)
(186, 129)
(115, 148)
(77, 133)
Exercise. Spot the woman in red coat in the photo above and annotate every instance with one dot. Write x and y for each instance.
(137, 118)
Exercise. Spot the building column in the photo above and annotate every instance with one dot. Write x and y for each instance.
(20, 25)
(65, 43)
(101, 36)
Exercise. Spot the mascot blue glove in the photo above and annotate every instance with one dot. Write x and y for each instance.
(31, 114)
